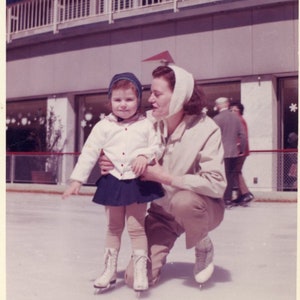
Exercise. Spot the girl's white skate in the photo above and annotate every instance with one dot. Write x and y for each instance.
(109, 276)
(140, 280)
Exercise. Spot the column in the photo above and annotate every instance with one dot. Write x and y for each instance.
(63, 107)
(258, 95)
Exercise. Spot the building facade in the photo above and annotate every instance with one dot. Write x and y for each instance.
(61, 55)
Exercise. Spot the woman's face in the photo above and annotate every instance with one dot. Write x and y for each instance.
(160, 97)
(235, 109)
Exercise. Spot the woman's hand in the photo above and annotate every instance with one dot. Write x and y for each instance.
(157, 173)
(105, 164)
(73, 188)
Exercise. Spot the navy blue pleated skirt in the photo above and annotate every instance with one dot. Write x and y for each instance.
(115, 192)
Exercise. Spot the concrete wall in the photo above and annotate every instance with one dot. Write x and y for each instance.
(231, 44)
(258, 95)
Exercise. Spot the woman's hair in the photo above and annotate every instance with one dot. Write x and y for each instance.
(167, 73)
(239, 105)
(197, 101)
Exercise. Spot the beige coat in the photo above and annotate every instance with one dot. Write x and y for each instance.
(194, 155)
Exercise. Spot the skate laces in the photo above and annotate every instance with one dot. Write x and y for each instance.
(108, 266)
(140, 271)
(110, 263)
(140, 263)
(204, 252)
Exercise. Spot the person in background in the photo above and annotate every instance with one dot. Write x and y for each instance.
(191, 172)
(244, 195)
(292, 161)
(232, 133)
(129, 140)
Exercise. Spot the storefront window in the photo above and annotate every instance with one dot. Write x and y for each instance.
(92, 108)
(288, 96)
(230, 90)
(26, 125)
(25, 132)
(289, 111)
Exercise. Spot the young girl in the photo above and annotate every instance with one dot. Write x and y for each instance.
(130, 141)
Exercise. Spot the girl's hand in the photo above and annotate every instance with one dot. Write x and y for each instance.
(157, 173)
(73, 188)
(139, 165)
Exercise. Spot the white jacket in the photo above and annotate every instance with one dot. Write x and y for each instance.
(121, 142)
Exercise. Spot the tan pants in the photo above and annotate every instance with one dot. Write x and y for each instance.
(191, 213)
(134, 215)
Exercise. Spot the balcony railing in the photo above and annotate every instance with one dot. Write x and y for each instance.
(31, 17)
(264, 170)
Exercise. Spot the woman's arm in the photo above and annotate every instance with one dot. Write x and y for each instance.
(104, 164)
(206, 175)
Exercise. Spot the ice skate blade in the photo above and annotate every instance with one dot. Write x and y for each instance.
(237, 204)
(138, 294)
(100, 290)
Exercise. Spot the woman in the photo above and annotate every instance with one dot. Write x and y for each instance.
(191, 172)
(244, 195)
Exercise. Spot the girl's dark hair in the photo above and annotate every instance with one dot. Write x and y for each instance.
(124, 84)
(197, 101)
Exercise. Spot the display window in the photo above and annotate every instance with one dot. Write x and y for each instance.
(26, 125)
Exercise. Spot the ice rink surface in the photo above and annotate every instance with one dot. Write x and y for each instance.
(54, 251)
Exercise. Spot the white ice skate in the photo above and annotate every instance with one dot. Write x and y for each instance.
(140, 280)
(204, 267)
(109, 275)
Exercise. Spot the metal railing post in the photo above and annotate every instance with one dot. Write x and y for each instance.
(92, 8)
(136, 4)
(110, 11)
(12, 168)
(55, 16)
(175, 7)
(8, 25)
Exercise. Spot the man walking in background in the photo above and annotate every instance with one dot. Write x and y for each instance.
(234, 143)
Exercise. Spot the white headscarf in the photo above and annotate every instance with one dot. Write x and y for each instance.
(183, 90)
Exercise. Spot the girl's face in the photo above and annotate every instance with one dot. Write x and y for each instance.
(124, 103)
(160, 97)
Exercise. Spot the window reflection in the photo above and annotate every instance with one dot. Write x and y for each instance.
(26, 125)
(230, 90)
